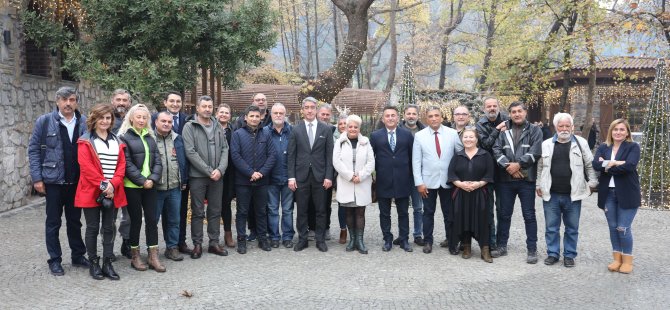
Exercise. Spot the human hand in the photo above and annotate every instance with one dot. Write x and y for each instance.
(423, 190)
(502, 127)
(292, 185)
(538, 192)
(327, 183)
(148, 184)
(39, 187)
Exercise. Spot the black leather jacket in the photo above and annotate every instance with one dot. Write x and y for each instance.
(527, 152)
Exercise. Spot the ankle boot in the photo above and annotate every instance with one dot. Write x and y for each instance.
(343, 236)
(467, 251)
(486, 254)
(627, 264)
(616, 264)
(125, 249)
(108, 270)
(359, 242)
(94, 268)
(153, 261)
(136, 260)
(352, 240)
(228, 239)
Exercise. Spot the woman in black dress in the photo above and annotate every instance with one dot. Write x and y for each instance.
(470, 170)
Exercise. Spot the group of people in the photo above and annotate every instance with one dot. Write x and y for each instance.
(123, 157)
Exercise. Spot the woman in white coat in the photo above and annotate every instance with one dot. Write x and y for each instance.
(354, 162)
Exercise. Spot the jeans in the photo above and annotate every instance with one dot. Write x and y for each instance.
(429, 206)
(169, 205)
(92, 216)
(60, 198)
(260, 205)
(183, 213)
(402, 205)
(280, 194)
(619, 221)
(560, 206)
(492, 207)
(508, 191)
(417, 210)
(140, 201)
(342, 216)
(206, 189)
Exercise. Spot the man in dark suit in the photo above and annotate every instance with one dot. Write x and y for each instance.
(392, 147)
(310, 171)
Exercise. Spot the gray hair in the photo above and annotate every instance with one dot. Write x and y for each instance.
(489, 98)
(309, 99)
(65, 92)
(354, 118)
(279, 105)
(121, 91)
(326, 106)
(561, 116)
(204, 98)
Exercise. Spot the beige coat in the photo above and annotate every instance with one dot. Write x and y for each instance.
(347, 191)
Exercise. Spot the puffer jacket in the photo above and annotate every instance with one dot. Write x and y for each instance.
(251, 151)
(51, 168)
(197, 149)
(579, 162)
(135, 155)
(526, 153)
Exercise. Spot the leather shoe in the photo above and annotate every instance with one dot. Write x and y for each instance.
(274, 243)
(183, 248)
(265, 245)
(196, 252)
(301, 245)
(56, 269)
(81, 261)
(396, 241)
(405, 246)
(387, 245)
(427, 248)
(419, 241)
(241, 246)
(550, 260)
(568, 262)
(217, 249)
(453, 251)
(287, 243)
(322, 246)
(444, 244)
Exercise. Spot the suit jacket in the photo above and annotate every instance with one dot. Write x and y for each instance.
(427, 167)
(394, 168)
(626, 179)
(319, 157)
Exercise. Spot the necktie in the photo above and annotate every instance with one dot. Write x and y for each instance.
(310, 135)
(392, 142)
(437, 145)
(175, 122)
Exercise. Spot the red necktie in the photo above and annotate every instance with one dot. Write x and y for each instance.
(437, 145)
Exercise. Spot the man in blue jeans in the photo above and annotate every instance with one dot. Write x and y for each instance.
(278, 191)
(516, 152)
(562, 185)
(173, 180)
(411, 122)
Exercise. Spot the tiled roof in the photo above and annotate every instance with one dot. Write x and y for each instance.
(622, 62)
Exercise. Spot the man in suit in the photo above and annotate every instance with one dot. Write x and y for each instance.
(310, 171)
(434, 146)
(392, 147)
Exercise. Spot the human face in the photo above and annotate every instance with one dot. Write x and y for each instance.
(253, 119)
(518, 115)
(223, 115)
(261, 102)
(620, 133)
(104, 123)
(309, 110)
(163, 124)
(469, 139)
(324, 115)
(564, 129)
(434, 119)
(278, 115)
(121, 102)
(173, 103)
(66, 106)
(491, 108)
(139, 120)
(342, 125)
(461, 117)
(353, 130)
(411, 116)
(390, 119)
(204, 109)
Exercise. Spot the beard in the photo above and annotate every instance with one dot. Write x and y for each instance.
(278, 122)
(492, 115)
(411, 122)
(121, 110)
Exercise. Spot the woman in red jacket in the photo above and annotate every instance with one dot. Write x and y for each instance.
(100, 190)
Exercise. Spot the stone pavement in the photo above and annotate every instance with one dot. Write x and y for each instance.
(283, 279)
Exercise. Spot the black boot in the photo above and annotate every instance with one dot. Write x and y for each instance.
(241, 245)
(352, 240)
(94, 269)
(125, 249)
(359, 241)
(108, 270)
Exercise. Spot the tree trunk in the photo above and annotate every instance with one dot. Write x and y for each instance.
(296, 43)
(568, 61)
(316, 40)
(282, 35)
(490, 34)
(393, 59)
(591, 90)
(455, 18)
(308, 42)
(337, 39)
(330, 82)
(443, 67)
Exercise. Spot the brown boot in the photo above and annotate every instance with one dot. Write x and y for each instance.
(627, 264)
(467, 251)
(136, 260)
(486, 254)
(228, 239)
(153, 261)
(343, 236)
(616, 264)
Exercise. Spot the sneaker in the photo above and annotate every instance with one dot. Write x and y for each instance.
(311, 235)
(173, 254)
(551, 260)
(568, 262)
(499, 251)
(532, 257)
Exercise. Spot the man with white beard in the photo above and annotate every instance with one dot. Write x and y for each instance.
(565, 174)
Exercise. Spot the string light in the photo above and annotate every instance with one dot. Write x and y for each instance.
(61, 11)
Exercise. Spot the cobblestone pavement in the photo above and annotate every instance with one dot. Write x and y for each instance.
(283, 279)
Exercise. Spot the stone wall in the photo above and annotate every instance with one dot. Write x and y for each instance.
(22, 99)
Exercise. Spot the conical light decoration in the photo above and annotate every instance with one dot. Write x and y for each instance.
(407, 88)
